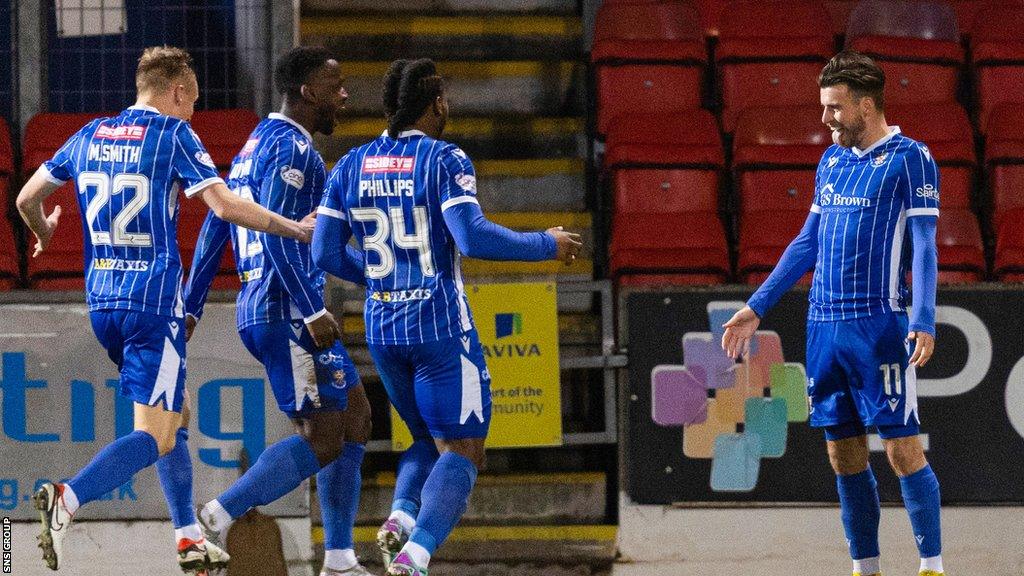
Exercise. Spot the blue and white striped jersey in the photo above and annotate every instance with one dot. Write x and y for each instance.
(128, 170)
(393, 193)
(864, 198)
(279, 169)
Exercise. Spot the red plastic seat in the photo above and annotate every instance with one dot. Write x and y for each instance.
(9, 268)
(61, 266)
(960, 248)
(946, 131)
(968, 13)
(648, 58)
(839, 11)
(1004, 159)
(679, 243)
(679, 139)
(917, 44)
(764, 236)
(668, 280)
(711, 15)
(224, 132)
(1009, 264)
(998, 58)
(770, 54)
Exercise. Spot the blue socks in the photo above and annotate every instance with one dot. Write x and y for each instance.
(413, 470)
(114, 465)
(445, 497)
(278, 471)
(337, 486)
(175, 472)
(921, 498)
(861, 513)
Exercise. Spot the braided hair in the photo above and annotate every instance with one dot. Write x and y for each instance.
(409, 87)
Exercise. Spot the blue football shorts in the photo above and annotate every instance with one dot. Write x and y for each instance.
(858, 376)
(440, 389)
(304, 379)
(149, 351)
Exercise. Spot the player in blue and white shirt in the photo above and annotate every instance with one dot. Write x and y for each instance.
(410, 201)
(282, 318)
(128, 170)
(873, 219)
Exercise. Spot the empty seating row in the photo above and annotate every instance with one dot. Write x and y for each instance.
(666, 173)
(223, 132)
(651, 57)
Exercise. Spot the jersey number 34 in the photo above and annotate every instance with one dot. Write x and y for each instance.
(391, 225)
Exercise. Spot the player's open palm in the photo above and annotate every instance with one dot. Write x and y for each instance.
(324, 330)
(51, 224)
(738, 332)
(568, 244)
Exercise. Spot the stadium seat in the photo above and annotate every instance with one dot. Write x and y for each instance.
(711, 15)
(997, 47)
(916, 43)
(677, 243)
(1004, 160)
(647, 58)
(1009, 264)
(9, 266)
(775, 155)
(688, 138)
(770, 54)
(961, 256)
(224, 132)
(968, 13)
(946, 131)
(839, 11)
(60, 267)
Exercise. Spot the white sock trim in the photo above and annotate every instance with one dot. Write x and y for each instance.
(867, 566)
(216, 517)
(193, 532)
(340, 559)
(934, 563)
(418, 554)
(70, 499)
(403, 517)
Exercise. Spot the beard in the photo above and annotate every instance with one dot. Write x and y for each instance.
(850, 134)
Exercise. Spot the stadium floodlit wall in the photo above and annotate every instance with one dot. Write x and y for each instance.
(60, 407)
(92, 52)
(704, 429)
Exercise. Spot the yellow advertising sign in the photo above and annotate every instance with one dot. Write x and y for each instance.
(518, 327)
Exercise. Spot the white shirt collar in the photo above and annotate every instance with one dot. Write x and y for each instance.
(405, 133)
(143, 107)
(894, 130)
(279, 116)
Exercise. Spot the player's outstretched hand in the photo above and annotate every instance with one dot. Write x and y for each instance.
(190, 326)
(324, 330)
(51, 224)
(568, 244)
(306, 226)
(738, 331)
(309, 219)
(923, 348)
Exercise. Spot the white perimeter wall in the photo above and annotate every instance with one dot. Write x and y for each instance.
(657, 540)
(94, 548)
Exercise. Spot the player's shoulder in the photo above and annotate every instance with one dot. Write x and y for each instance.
(451, 154)
(912, 148)
(831, 156)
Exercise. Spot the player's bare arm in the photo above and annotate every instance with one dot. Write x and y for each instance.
(30, 206)
(231, 208)
(324, 330)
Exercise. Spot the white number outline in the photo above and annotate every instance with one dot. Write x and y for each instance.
(377, 242)
(105, 187)
(247, 241)
(887, 371)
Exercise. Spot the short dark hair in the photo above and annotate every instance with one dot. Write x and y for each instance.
(294, 67)
(858, 72)
(160, 66)
(409, 87)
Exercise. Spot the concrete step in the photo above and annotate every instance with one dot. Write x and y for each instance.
(514, 499)
(545, 88)
(587, 545)
(495, 137)
(329, 7)
(450, 37)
